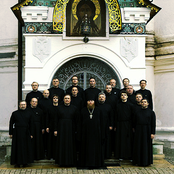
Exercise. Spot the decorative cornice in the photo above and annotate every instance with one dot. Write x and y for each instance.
(134, 15)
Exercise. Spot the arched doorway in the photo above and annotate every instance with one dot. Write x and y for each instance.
(84, 68)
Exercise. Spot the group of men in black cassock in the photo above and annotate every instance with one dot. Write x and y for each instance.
(84, 127)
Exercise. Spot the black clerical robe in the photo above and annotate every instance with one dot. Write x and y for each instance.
(92, 93)
(92, 137)
(60, 92)
(148, 95)
(80, 91)
(108, 116)
(145, 124)
(131, 98)
(66, 125)
(50, 123)
(124, 130)
(31, 95)
(116, 92)
(78, 102)
(37, 140)
(21, 129)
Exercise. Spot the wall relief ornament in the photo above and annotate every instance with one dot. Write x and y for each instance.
(41, 48)
(129, 48)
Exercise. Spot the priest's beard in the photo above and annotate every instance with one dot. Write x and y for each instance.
(91, 106)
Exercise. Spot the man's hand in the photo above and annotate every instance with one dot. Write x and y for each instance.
(31, 136)
(10, 136)
(43, 131)
(55, 133)
(47, 130)
(110, 128)
(152, 136)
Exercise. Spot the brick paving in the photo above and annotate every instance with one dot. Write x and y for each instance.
(159, 167)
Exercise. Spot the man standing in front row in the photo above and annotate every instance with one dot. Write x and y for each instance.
(21, 132)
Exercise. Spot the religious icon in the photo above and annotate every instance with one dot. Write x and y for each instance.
(84, 17)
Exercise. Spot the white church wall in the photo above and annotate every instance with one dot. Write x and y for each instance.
(8, 65)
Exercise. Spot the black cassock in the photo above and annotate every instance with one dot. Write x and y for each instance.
(92, 137)
(31, 95)
(145, 124)
(108, 116)
(37, 140)
(60, 92)
(148, 95)
(21, 128)
(124, 130)
(65, 125)
(50, 123)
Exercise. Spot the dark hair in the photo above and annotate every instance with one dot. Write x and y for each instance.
(139, 94)
(75, 76)
(91, 78)
(123, 91)
(55, 95)
(143, 80)
(126, 79)
(20, 101)
(145, 99)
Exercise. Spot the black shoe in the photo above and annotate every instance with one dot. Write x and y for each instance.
(25, 165)
(17, 166)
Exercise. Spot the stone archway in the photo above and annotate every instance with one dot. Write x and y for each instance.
(84, 68)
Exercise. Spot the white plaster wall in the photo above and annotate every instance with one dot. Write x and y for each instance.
(8, 66)
(63, 50)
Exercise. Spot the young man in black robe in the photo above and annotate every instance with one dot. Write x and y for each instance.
(126, 82)
(145, 125)
(146, 93)
(65, 130)
(56, 90)
(75, 84)
(21, 132)
(50, 123)
(115, 90)
(91, 136)
(138, 98)
(44, 104)
(123, 127)
(108, 116)
(33, 94)
(76, 100)
(92, 91)
(38, 119)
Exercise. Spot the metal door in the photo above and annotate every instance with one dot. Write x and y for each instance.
(85, 68)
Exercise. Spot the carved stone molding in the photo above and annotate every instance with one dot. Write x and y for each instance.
(41, 48)
(138, 14)
(129, 48)
(37, 14)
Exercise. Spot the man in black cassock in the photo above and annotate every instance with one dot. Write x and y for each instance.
(56, 90)
(145, 93)
(115, 90)
(33, 94)
(75, 84)
(108, 116)
(112, 100)
(138, 98)
(131, 94)
(50, 123)
(92, 91)
(91, 136)
(65, 130)
(123, 128)
(126, 82)
(44, 104)
(38, 120)
(145, 124)
(21, 132)
(76, 100)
